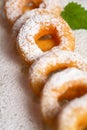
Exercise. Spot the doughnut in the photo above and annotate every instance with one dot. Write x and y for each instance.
(74, 115)
(40, 25)
(65, 85)
(51, 61)
(15, 8)
(19, 22)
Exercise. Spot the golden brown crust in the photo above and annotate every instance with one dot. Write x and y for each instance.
(15, 8)
(50, 62)
(65, 85)
(38, 26)
(74, 115)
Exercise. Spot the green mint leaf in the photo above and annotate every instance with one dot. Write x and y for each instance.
(75, 16)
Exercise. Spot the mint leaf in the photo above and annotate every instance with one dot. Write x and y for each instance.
(75, 15)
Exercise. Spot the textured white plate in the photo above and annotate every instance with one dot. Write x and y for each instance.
(19, 109)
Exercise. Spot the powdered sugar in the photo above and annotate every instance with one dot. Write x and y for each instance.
(18, 24)
(26, 42)
(71, 113)
(14, 9)
(57, 85)
(51, 61)
(12, 91)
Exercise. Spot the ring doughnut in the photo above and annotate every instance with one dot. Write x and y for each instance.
(74, 115)
(52, 61)
(15, 8)
(64, 85)
(19, 22)
(38, 26)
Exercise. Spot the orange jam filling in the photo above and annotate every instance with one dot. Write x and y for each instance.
(73, 92)
(31, 5)
(28, 6)
(82, 122)
(46, 43)
(47, 38)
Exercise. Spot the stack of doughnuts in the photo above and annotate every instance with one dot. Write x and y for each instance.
(57, 75)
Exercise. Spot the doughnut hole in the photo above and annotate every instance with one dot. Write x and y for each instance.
(72, 92)
(31, 4)
(47, 38)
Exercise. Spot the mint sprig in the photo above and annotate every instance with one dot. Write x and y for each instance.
(75, 15)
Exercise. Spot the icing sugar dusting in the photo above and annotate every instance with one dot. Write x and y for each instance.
(70, 114)
(18, 24)
(32, 26)
(14, 8)
(56, 86)
(51, 61)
